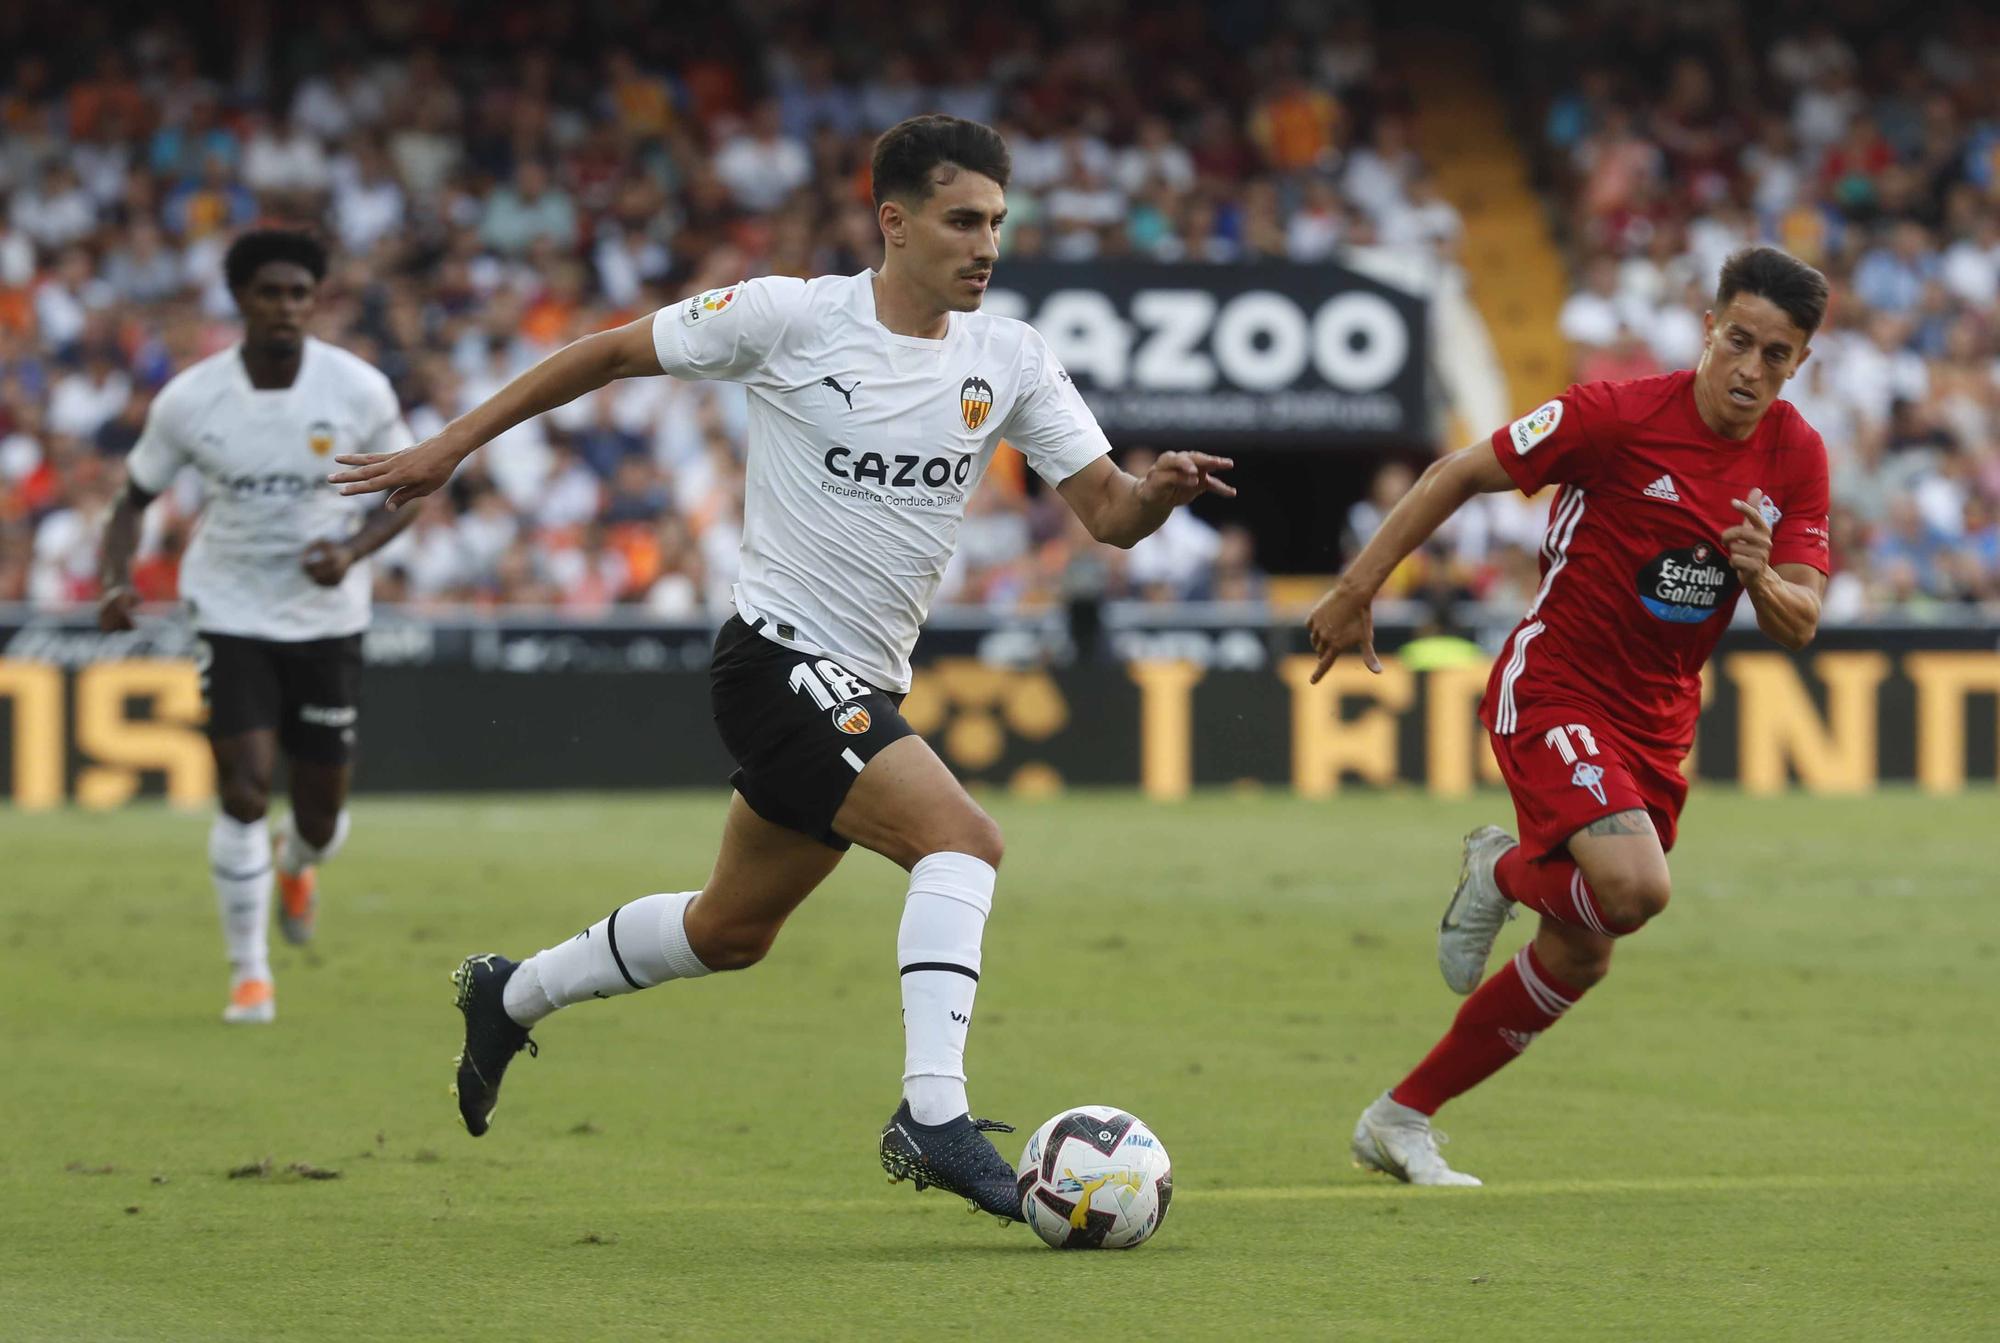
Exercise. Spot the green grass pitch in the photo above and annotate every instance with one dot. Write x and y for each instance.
(1775, 1120)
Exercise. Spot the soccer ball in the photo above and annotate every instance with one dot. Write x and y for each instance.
(1094, 1178)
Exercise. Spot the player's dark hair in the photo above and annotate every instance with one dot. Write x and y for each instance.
(262, 246)
(910, 150)
(1798, 290)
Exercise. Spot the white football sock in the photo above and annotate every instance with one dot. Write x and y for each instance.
(937, 948)
(634, 947)
(295, 854)
(239, 860)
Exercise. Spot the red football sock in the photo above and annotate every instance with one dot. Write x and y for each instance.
(1553, 887)
(1501, 1018)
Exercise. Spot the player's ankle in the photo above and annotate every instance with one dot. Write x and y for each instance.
(935, 1100)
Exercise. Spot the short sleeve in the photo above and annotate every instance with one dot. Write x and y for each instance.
(1559, 441)
(727, 333)
(1799, 535)
(161, 451)
(1050, 423)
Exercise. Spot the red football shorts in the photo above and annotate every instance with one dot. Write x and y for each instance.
(1568, 773)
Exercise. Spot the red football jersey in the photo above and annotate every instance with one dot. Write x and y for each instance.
(1636, 585)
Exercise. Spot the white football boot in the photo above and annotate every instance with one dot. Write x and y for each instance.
(1399, 1141)
(251, 1002)
(1476, 913)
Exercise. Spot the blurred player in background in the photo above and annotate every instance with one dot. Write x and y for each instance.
(876, 402)
(275, 583)
(1677, 494)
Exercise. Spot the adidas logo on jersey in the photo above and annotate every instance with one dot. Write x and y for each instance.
(1663, 488)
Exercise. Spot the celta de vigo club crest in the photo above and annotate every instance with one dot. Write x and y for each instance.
(975, 401)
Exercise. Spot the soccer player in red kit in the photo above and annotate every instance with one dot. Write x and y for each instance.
(1676, 495)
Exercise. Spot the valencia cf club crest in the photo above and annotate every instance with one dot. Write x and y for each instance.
(975, 401)
(319, 437)
(851, 718)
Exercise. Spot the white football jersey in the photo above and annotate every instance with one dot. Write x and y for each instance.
(264, 458)
(864, 447)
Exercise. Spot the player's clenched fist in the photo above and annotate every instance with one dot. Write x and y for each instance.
(1344, 618)
(327, 562)
(115, 607)
(407, 476)
(1749, 541)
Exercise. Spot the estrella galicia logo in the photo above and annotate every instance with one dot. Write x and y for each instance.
(975, 401)
(1687, 586)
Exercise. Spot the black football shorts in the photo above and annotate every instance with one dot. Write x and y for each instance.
(309, 691)
(800, 727)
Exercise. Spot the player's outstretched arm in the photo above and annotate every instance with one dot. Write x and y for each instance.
(1786, 596)
(1344, 617)
(577, 368)
(1120, 509)
(114, 563)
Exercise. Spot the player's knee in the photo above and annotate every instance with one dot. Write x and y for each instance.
(316, 827)
(969, 831)
(1632, 899)
(977, 835)
(244, 798)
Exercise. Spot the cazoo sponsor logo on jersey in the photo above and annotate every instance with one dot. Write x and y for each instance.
(902, 471)
(271, 485)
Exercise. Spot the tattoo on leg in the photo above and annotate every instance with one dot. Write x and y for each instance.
(1622, 823)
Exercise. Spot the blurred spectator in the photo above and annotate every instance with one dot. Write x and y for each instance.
(1175, 562)
(762, 165)
(488, 207)
(528, 211)
(1877, 170)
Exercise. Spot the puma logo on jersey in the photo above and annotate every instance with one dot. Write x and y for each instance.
(1663, 489)
(846, 393)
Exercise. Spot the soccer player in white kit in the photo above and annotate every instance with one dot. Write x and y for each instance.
(875, 403)
(275, 582)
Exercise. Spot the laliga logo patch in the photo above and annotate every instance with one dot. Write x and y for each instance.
(975, 401)
(710, 304)
(851, 718)
(319, 437)
(1535, 426)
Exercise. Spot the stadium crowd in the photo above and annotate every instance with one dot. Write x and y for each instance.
(1871, 150)
(543, 182)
